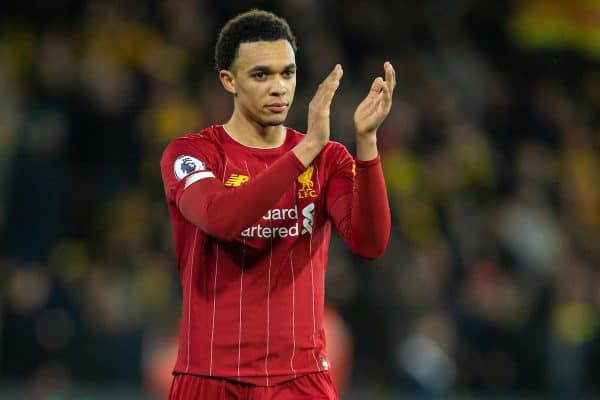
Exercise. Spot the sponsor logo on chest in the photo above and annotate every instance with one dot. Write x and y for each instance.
(296, 226)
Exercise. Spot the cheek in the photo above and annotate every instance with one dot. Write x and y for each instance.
(292, 89)
(249, 94)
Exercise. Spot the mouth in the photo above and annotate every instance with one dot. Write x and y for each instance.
(277, 107)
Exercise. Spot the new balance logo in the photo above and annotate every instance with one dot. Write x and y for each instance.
(236, 180)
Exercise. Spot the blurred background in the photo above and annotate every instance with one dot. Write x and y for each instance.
(490, 284)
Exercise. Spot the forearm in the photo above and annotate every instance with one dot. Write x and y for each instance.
(363, 216)
(224, 212)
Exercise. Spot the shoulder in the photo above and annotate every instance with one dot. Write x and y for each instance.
(336, 152)
(192, 152)
(336, 147)
(204, 143)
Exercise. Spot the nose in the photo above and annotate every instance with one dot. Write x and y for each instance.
(278, 88)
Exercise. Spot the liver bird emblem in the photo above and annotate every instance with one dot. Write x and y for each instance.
(305, 179)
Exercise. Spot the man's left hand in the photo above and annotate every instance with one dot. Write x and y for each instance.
(373, 110)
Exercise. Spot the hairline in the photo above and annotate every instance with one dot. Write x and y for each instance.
(232, 68)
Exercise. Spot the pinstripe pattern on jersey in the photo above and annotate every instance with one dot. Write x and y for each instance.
(212, 331)
(189, 305)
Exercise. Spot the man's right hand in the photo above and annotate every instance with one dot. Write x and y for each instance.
(317, 134)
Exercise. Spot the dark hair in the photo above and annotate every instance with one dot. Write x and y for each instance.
(251, 26)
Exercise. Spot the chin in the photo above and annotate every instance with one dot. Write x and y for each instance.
(274, 122)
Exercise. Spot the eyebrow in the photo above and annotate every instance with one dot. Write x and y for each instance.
(266, 68)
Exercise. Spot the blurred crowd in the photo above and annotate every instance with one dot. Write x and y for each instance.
(491, 279)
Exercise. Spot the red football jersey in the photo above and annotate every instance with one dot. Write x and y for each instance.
(253, 303)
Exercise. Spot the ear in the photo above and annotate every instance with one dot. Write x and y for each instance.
(227, 80)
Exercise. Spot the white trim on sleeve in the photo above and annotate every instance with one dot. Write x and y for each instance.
(198, 176)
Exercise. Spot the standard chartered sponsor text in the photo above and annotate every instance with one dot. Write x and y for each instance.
(266, 230)
(270, 232)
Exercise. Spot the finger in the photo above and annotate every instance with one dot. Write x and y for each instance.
(334, 76)
(376, 87)
(386, 94)
(384, 107)
(372, 107)
(380, 103)
(336, 73)
(390, 75)
(329, 86)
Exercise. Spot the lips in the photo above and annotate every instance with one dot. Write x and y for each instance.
(277, 107)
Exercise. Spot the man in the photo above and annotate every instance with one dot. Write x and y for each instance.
(252, 203)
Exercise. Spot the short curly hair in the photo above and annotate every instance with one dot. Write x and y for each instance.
(251, 26)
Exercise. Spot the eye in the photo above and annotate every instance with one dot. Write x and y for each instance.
(289, 73)
(260, 75)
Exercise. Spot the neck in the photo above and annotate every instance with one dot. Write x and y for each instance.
(252, 134)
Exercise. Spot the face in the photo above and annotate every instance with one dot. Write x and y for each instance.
(263, 80)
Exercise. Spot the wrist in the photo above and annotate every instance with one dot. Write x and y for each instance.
(312, 142)
(367, 138)
(307, 150)
(366, 147)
